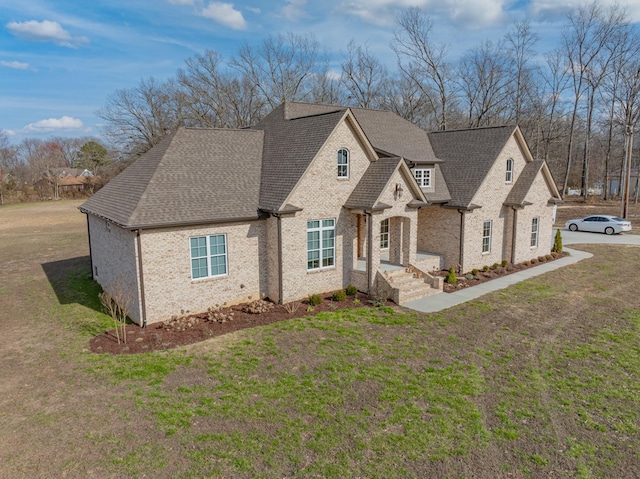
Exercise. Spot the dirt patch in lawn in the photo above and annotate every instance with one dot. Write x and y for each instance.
(193, 328)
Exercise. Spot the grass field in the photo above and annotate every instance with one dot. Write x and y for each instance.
(538, 380)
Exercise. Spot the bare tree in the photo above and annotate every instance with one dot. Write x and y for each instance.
(363, 76)
(521, 42)
(589, 30)
(484, 80)
(425, 63)
(282, 67)
(138, 118)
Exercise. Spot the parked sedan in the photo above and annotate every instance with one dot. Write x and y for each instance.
(600, 224)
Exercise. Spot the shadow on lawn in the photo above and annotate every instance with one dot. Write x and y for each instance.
(72, 283)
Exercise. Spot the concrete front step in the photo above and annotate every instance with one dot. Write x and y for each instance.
(408, 286)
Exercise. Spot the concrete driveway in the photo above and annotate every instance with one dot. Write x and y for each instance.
(441, 301)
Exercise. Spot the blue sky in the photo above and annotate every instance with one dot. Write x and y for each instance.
(60, 59)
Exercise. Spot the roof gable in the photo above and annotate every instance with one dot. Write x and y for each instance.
(469, 156)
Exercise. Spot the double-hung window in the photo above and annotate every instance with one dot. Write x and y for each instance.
(384, 234)
(208, 256)
(486, 237)
(509, 175)
(423, 177)
(343, 163)
(534, 231)
(321, 249)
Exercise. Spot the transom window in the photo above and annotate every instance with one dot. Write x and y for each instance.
(321, 250)
(509, 175)
(423, 177)
(208, 256)
(384, 234)
(534, 231)
(343, 163)
(486, 236)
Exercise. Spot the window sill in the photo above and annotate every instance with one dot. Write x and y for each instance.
(321, 270)
(209, 278)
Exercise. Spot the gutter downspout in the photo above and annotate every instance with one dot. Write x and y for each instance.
(369, 250)
(514, 234)
(142, 300)
(461, 254)
(280, 269)
(89, 237)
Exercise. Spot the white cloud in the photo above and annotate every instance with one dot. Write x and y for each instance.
(225, 14)
(53, 124)
(471, 14)
(293, 10)
(552, 10)
(45, 31)
(253, 10)
(15, 65)
(8, 132)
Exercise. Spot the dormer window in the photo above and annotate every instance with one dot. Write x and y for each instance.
(423, 177)
(343, 163)
(509, 176)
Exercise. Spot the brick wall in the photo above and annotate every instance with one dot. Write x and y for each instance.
(169, 288)
(115, 262)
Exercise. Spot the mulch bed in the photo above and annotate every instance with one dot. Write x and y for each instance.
(194, 328)
(493, 273)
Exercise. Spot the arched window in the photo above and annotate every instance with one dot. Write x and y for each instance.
(343, 163)
(509, 176)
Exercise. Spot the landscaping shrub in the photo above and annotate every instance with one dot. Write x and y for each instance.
(534, 261)
(495, 266)
(257, 307)
(557, 243)
(527, 263)
(451, 276)
(339, 296)
(504, 263)
(474, 272)
(542, 259)
(485, 268)
(469, 276)
(351, 290)
(554, 255)
(315, 299)
(548, 257)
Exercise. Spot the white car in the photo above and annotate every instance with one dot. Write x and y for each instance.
(600, 224)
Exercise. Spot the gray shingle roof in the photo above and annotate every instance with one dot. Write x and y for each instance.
(366, 193)
(468, 156)
(387, 132)
(192, 176)
(289, 147)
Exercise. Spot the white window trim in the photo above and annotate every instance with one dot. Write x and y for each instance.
(535, 231)
(509, 173)
(320, 229)
(348, 157)
(384, 235)
(425, 179)
(209, 256)
(487, 237)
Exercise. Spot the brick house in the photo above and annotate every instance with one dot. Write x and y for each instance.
(310, 200)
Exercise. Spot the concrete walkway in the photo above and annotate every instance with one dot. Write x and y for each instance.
(438, 302)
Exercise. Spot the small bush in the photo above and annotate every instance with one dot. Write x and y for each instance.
(315, 299)
(451, 276)
(542, 259)
(474, 272)
(495, 266)
(356, 301)
(351, 290)
(557, 243)
(504, 263)
(548, 257)
(534, 260)
(292, 307)
(469, 276)
(527, 263)
(485, 268)
(339, 296)
(554, 255)
(216, 314)
(257, 307)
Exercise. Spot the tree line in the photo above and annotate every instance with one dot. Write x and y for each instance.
(573, 103)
